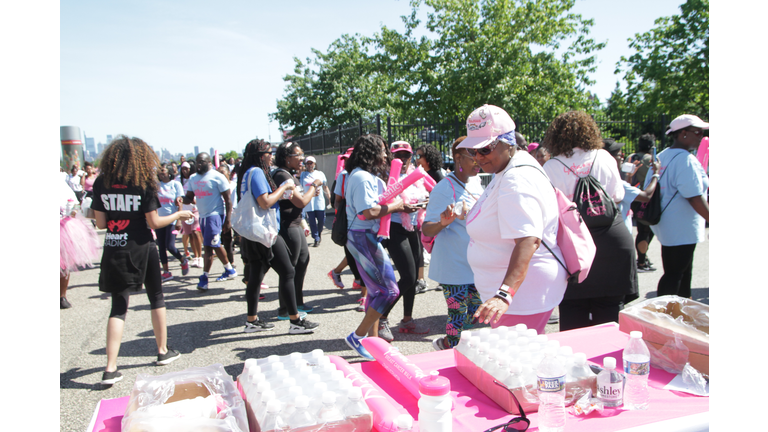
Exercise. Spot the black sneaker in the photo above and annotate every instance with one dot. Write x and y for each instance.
(170, 356)
(421, 286)
(64, 303)
(302, 326)
(645, 267)
(257, 326)
(109, 378)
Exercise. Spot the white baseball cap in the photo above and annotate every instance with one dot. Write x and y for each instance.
(310, 159)
(687, 120)
(484, 125)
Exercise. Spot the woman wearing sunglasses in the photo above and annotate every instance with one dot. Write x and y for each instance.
(576, 145)
(449, 266)
(683, 184)
(519, 280)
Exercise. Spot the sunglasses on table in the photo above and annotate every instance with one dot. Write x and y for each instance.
(484, 151)
(517, 424)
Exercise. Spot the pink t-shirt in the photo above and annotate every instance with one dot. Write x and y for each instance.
(88, 187)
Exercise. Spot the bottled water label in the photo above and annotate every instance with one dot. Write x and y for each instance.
(610, 392)
(553, 384)
(636, 368)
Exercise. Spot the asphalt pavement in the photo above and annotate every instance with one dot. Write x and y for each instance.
(207, 327)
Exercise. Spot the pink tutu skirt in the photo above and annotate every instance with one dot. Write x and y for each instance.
(79, 244)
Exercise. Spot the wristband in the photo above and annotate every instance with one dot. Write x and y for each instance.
(503, 293)
(656, 176)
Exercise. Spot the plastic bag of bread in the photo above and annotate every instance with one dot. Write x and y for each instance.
(203, 399)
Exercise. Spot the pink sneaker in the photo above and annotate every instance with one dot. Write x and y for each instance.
(356, 285)
(264, 286)
(336, 278)
(185, 268)
(167, 276)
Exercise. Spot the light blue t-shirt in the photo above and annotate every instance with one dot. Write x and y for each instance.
(339, 181)
(306, 179)
(362, 190)
(259, 186)
(679, 224)
(449, 264)
(207, 189)
(167, 193)
(630, 193)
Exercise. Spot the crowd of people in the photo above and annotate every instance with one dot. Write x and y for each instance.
(493, 250)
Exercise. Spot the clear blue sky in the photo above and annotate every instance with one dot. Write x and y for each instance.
(185, 73)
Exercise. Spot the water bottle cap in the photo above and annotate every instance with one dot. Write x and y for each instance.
(318, 353)
(323, 361)
(355, 393)
(302, 401)
(521, 328)
(329, 397)
(273, 358)
(434, 385)
(636, 334)
(274, 406)
(294, 356)
(250, 363)
(404, 422)
(609, 363)
(295, 390)
(337, 375)
(277, 366)
(289, 382)
(580, 358)
(263, 386)
(267, 395)
(531, 333)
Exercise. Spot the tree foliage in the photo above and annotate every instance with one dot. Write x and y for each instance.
(531, 57)
(669, 72)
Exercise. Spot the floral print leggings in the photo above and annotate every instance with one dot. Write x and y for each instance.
(463, 301)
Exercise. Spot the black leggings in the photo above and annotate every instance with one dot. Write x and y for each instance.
(281, 263)
(152, 282)
(678, 270)
(574, 313)
(226, 241)
(297, 245)
(645, 234)
(166, 240)
(405, 250)
(353, 266)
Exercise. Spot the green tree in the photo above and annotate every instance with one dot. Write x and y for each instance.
(669, 72)
(501, 52)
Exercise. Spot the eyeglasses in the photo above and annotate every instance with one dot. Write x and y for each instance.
(517, 424)
(300, 155)
(484, 151)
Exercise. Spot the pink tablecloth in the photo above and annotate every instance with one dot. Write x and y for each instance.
(473, 411)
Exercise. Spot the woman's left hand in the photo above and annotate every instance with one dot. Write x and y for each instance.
(491, 310)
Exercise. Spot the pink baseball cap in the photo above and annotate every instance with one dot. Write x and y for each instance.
(687, 120)
(347, 153)
(484, 125)
(398, 146)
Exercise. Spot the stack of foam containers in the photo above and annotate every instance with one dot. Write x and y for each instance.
(510, 355)
(284, 378)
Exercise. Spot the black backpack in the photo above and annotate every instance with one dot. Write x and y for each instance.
(339, 228)
(596, 207)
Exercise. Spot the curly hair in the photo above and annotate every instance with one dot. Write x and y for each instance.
(432, 155)
(129, 161)
(283, 152)
(645, 142)
(570, 130)
(367, 155)
(252, 156)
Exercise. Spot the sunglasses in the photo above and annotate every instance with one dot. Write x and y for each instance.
(483, 151)
(517, 424)
(300, 155)
(696, 132)
(417, 156)
(399, 146)
(402, 155)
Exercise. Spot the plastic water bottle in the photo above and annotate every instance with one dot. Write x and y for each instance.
(357, 412)
(301, 417)
(579, 368)
(610, 384)
(435, 404)
(273, 422)
(330, 416)
(261, 411)
(637, 366)
(551, 389)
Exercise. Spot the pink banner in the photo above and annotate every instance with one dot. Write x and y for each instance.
(216, 159)
(405, 371)
(384, 413)
(398, 188)
(394, 175)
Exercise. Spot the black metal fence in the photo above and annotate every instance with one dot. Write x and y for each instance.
(339, 138)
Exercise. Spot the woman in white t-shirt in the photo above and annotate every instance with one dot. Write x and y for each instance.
(510, 227)
(573, 139)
